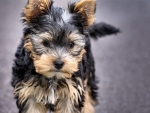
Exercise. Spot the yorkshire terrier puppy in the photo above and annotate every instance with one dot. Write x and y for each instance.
(54, 68)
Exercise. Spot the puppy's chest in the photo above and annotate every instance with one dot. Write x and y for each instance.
(50, 93)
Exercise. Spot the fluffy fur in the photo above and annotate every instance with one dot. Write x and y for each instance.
(54, 66)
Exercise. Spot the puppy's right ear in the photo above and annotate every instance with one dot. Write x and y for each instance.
(86, 9)
(35, 8)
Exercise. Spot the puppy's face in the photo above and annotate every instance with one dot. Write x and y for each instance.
(55, 37)
(57, 54)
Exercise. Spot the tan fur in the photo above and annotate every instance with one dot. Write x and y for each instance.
(28, 44)
(88, 107)
(66, 106)
(81, 54)
(77, 38)
(89, 102)
(94, 103)
(44, 65)
(46, 35)
(35, 7)
(86, 9)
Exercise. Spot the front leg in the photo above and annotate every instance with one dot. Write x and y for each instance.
(30, 97)
(67, 106)
(32, 106)
(88, 104)
(70, 98)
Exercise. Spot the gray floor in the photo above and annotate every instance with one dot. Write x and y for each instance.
(122, 61)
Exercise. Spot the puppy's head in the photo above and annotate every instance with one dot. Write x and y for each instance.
(55, 37)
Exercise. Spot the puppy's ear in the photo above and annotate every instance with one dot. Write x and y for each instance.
(85, 8)
(35, 8)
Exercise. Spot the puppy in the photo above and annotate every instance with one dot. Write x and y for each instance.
(54, 68)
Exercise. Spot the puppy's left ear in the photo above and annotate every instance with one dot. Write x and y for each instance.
(86, 9)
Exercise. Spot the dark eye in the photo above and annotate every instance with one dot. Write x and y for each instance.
(46, 43)
(71, 45)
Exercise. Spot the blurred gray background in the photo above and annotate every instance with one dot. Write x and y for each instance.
(122, 61)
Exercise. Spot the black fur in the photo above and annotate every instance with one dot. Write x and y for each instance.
(102, 29)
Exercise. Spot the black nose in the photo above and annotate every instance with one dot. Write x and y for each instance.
(58, 64)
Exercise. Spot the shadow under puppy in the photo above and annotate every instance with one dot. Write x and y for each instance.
(54, 66)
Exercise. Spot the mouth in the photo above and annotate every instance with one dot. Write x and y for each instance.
(57, 70)
(58, 73)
